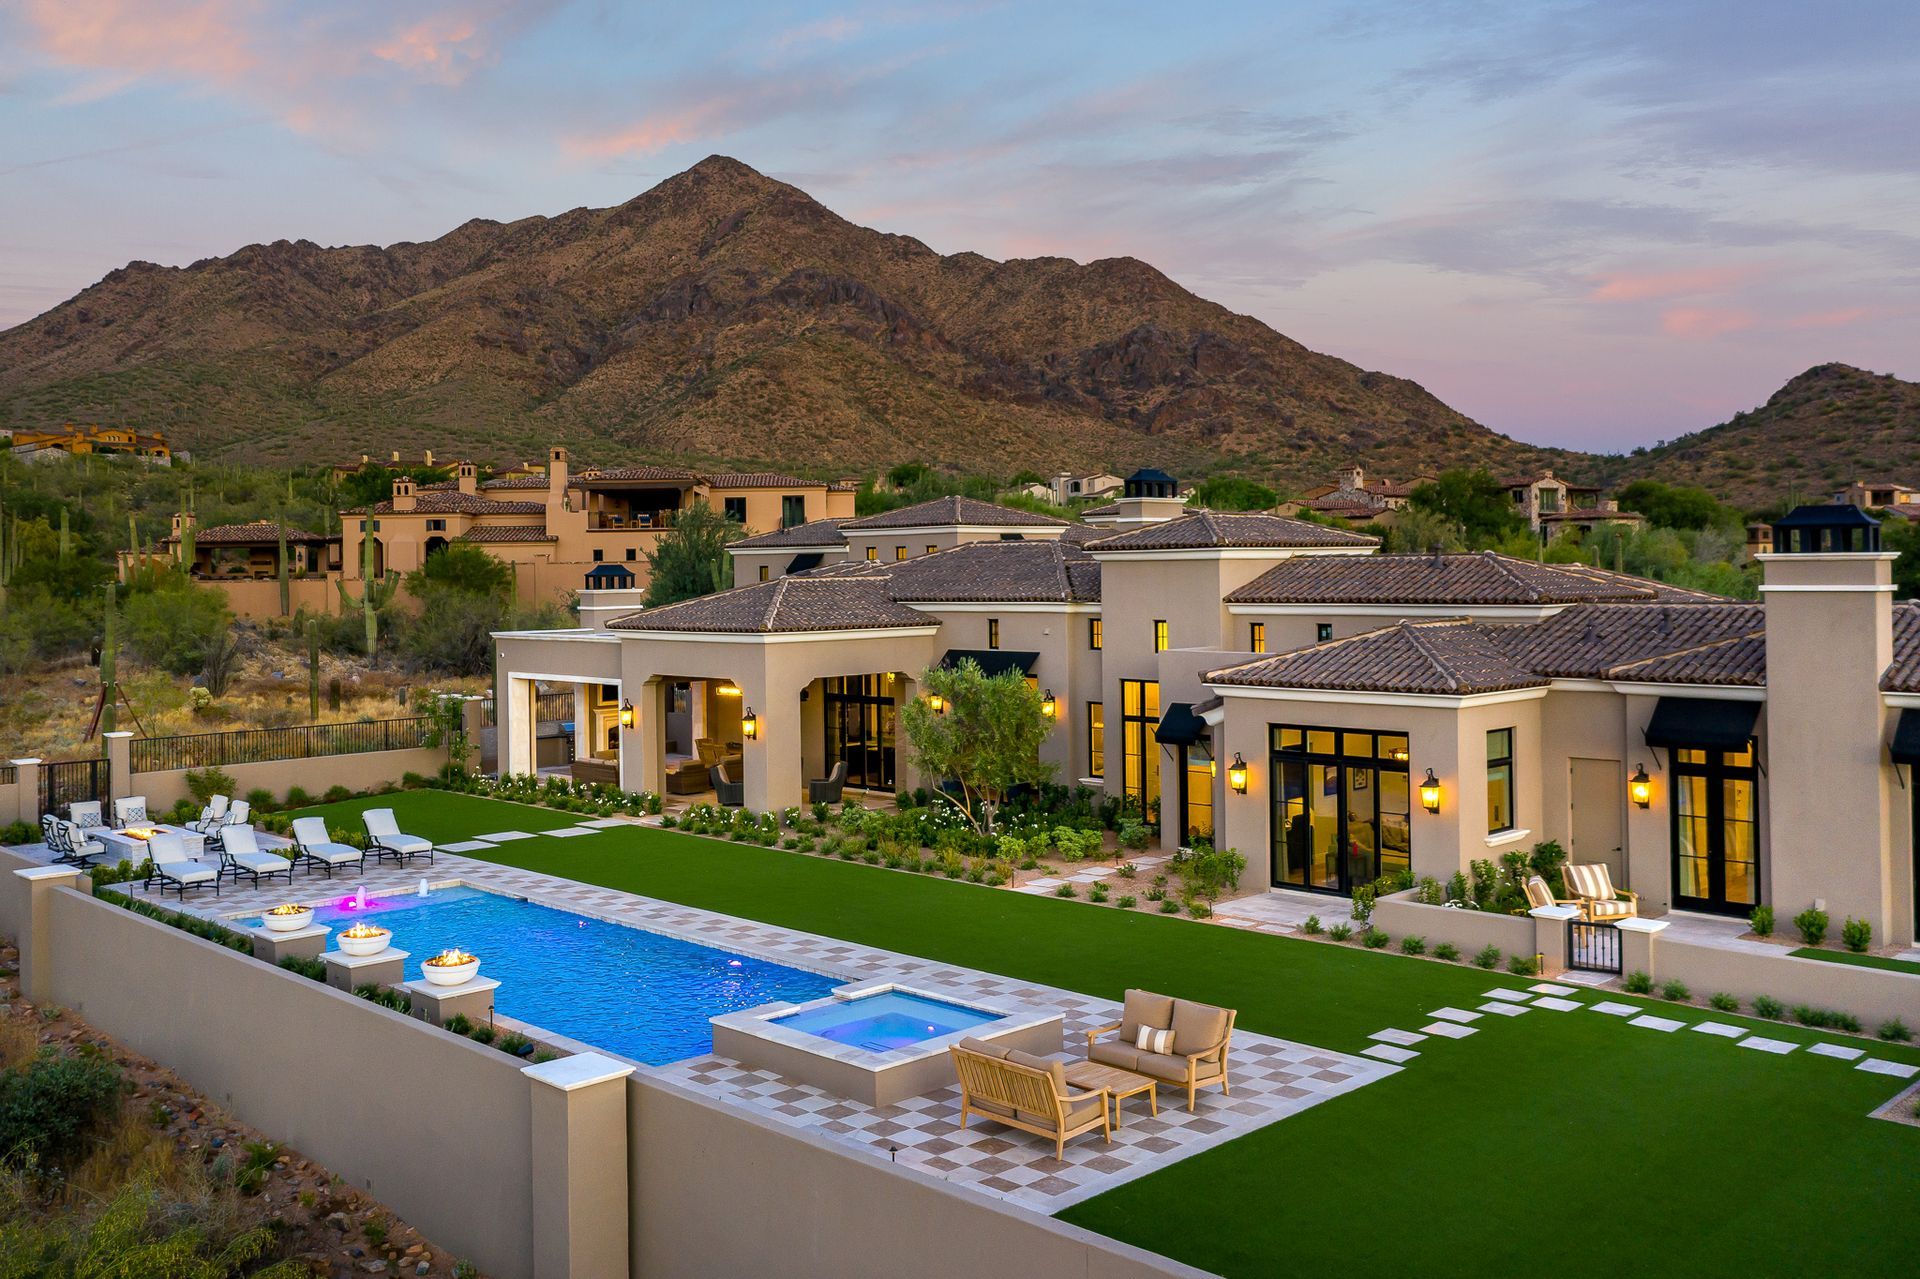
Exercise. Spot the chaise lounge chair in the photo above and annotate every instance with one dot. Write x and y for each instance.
(1594, 893)
(130, 810)
(317, 847)
(1026, 1092)
(241, 854)
(827, 790)
(239, 814)
(385, 839)
(167, 861)
(725, 789)
(1194, 1058)
(212, 817)
(67, 842)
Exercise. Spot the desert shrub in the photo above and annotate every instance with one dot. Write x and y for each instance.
(1761, 921)
(1825, 1018)
(1448, 951)
(1374, 939)
(1413, 945)
(297, 797)
(1857, 935)
(1312, 927)
(483, 1034)
(1213, 871)
(1097, 893)
(334, 794)
(19, 833)
(306, 966)
(1721, 1001)
(1065, 890)
(1198, 909)
(1522, 965)
(1168, 906)
(1487, 957)
(51, 1107)
(1133, 834)
(515, 1044)
(1362, 903)
(1126, 902)
(1769, 1007)
(205, 783)
(1676, 991)
(1893, 1030)
(1340, 931)
(1428, 892)
(1639, 983)
(1812, 925)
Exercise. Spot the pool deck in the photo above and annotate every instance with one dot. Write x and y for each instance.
(1272, 1078)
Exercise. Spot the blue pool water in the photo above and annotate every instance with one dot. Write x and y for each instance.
(636, 993)
(890, 1019)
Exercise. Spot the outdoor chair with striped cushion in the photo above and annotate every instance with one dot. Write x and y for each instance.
(1596, 896)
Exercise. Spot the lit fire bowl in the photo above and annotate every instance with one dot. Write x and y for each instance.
(290, 918)
(451, 967)
(362, 940)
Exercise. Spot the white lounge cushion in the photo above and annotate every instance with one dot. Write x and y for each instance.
(331, 854)
(261, 863)
(243, 849)
(187, 872)
(386, 832)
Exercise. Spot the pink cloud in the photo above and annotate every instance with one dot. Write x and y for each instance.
(1828, 319)
(204, 40)
(1699, 322)
(443, 47)
(1631, 287)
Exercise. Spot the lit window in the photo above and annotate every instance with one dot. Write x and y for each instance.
(1096, 739)
(1257, 637)
(1159, 635)
(993, 632)
(763, 572)
(931, 548)
(873, 553)
(1499, 780)
(1093, 633)
(1323, 632)
(899, 552)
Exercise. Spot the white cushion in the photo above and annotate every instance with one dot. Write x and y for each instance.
(332, 854)
(1150, 1040)
(187, 872)
(405, 843)
(260, 861)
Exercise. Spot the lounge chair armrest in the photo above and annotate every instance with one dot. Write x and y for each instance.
(1098, 1031)
(1205, 1053)
(1626, 895)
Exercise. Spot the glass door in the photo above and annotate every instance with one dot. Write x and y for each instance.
(1340, 808)
(1196, 791)
(860, 728)
(1716, 858)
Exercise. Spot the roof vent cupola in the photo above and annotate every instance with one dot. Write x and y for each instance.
(1826, 530)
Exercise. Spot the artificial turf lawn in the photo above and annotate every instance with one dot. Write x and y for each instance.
(1569, 1142)
(1859, 961)
(445, 817)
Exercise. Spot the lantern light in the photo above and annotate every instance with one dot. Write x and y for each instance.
(1048, 705)
(1237, 774)
(626, 713)
(1640, 786)
(750, 724)
(1430, 792)
(938, 703)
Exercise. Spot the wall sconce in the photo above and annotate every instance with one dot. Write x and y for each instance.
(1430, 792)
(626, 713)
(1237, 774)
(725, 689)
(1048, 705)
(938, 703)
(750, 724)
(1640, 786)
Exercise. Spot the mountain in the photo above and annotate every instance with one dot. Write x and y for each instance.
(1824, 429)
(723, 317)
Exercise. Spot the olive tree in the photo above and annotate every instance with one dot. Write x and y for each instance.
(985, 737)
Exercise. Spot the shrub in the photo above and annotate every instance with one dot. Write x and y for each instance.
(19, 833)
(1825, 1019)
(459, 1023)
(1374, 939)
(1168, 906)
(1769, 1007)
(1639, 983)
(1065, 890)
(1893, 1030)
(1812, 925)
(1362, 903)
(1761, 921)
(50, 1107)
(1522, 965)
(1676, 991)
(297, 797)
(515, 1044)
(1127, 870)
(1312, 927)
(260, 799)
(306, 966)
(1340, 932)
(1857, 935)
(1428, 892)
(1723, 1002)
(1487, 958)
(1133, 834)
(1413, 945)
(1098, 892)
(1126, 901)
(204, 783)
(1448, 951)
(483, 1034)
(1198, 909)
(337, 793)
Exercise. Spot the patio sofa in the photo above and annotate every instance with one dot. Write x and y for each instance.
(1026, 1092)
(1195, 1059)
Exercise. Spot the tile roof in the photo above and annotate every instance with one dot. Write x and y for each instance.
(454, 503)
(254, 532)
(1483, 578)
(1739, 659)
(1205, 529)
(1903, 673)
(812, 533)
(1589, 640)
(1111, 508)
(759, 480)
(1592, 513)
(619, 474)
(519, 481)
(1450, 657)
(497, 533)
(1038, 571)
(785, 605)
(1347, 499)
(942, 512)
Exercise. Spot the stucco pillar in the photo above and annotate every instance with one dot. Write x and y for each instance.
(1550, 936)
(36, 945)
(643, 748)
(581, 1206)
(119, 764)
(473, 719)
(515, 727)
(1638, 948)
(304, 943)
(26, 778)
(772, 757)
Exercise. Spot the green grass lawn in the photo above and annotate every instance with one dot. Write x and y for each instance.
(444, 817)
(1572, 1142)
(1859, 961)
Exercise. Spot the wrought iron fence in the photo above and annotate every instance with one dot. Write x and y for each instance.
(72, 781)
(265, 745)
(1593, 948)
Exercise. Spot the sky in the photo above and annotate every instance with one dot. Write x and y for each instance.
(1591, 225)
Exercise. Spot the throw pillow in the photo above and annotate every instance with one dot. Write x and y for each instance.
(1150, 1040)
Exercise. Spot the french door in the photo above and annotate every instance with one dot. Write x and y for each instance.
(860, 728)
(1716, 854)
(1340, 808)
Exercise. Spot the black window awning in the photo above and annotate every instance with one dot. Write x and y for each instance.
(1906, 738)
(993, 661)
(1702, 723)
(1180, 726)
(804, 561)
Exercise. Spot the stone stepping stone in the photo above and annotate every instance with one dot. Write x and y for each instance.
(1511, 996)
(607, 823)
(1044, 881)
(504, 836)
(465, 846)
(1721, 1029)
(1387, 1052)
(1778, 1047)
(1665, 1024)
(1448, 1030)
(1880, 1066)
(1836, 1050)
(1613, 1008)
(1505, 1010)
(1392, 1036)
(1455, 1014)
(568, 832)
(1558, 1004)
(1548, 988)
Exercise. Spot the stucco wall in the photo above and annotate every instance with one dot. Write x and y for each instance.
(1871, 994)
(314, 774)
(1469, 930)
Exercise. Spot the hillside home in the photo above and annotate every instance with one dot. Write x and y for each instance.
(1878, 494)
(1329, 711)
(1066, 487)
(33, 445)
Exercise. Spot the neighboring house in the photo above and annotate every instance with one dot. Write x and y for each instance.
(1285, 689)
(243, 560)
(1878, 494)
(36, 444)
(1356, 498)
(1065, 488)
(1588, 518)
(1542, 497)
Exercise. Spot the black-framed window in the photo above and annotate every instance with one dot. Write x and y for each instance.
(1140, 754)
(931, 548)
(1257, 636)
(793, 510)
(1322, 632)
(1093, 633)
(899, 552)
(1341, 807)
(436, 526)
(859, 713)
(1716, 830)
(993, 632)
(1500, 780)
(734, 508)
(763, 572)
(1159, 634)
(1096, 739)
(1196, 790)
(633, 553)
(873, 553)
(598, 555)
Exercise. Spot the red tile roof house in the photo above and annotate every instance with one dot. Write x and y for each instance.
(1776, 735)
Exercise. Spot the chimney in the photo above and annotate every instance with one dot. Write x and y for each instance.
(403, 498)
(1356, 478)
(556, 482)
(429, 457)
(394, 457)
(1827, 596)
(468, 477)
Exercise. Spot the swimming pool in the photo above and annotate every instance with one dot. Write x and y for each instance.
(886, 1020)
(643, 995)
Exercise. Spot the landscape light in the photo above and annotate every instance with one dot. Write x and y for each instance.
(1640, 786)
(1237, 774)
(1430, 792)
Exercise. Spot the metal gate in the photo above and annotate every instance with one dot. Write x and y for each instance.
(1593, 948)
(71, 781)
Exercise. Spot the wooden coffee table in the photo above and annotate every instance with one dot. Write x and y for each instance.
(1116, 1083)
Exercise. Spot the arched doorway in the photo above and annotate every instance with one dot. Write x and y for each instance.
(435, 545)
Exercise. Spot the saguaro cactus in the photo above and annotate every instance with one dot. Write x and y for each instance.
(313, 671)
(66, 536)
(374, 594)
(109, 681)
(286, 587)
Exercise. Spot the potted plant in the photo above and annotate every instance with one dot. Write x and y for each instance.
(363, 939)
(288, 918)
(451, 967)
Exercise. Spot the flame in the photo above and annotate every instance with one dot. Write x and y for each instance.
(364, 930)
(289, 908)
(451, 957)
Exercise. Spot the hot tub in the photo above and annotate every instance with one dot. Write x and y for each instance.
(876, 1042)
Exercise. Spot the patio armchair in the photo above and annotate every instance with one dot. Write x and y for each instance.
(85, 813)
(167, 861)
(827, 790)
(1194, 1058)
(385, 839)
(130, 810)
(1539, 894)
(241, 854)
(67, 842)
(212, 816)
(725, 789)
(1595, 895)
(318, 848)
(1026, 1092)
